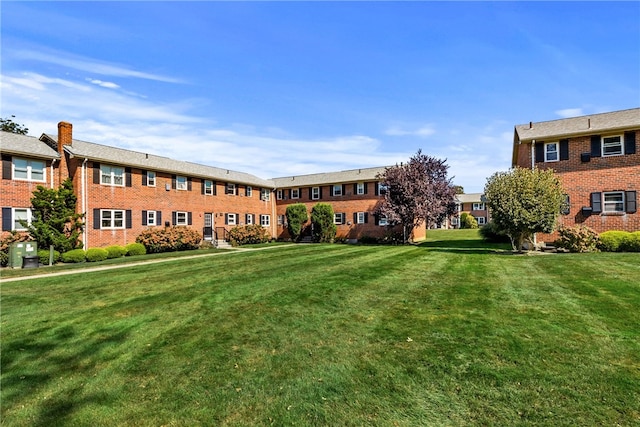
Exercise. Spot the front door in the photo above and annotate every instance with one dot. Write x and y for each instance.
(208, 226)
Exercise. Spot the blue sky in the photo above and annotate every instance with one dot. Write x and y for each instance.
(283, 88)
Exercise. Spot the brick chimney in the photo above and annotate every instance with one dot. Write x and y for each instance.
(65, 137)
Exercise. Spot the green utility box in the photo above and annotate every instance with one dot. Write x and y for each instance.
(19, 250)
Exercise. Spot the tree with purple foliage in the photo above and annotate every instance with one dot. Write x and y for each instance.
(417, 193)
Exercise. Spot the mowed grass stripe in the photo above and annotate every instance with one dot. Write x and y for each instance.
(439, 334)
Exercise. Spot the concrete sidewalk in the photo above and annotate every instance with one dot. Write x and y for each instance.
(135, 264)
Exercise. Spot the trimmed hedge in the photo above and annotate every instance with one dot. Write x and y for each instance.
(96, 254)
(134, 249)
(610, 241)
(74, 256)
(578, 239)
(43, 255)
(248, 234)
(116, 251)
(156, 240)
(631, 242)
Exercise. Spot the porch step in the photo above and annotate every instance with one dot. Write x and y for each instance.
(223, 244)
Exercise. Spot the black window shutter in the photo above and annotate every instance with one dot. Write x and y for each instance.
(144, 178)
(377, 185)
(174, 217)
(596, 146)
(128, 219)
(226, 219)
(7, 219)
(366, 217)
(96, 173)
(96, 219)
(344, 189)
(159, 218)
(540, 152)
(331, 190)
(564, 149)
(310, 193)
(344, 217)
(630, 198)
(173, 183)
(144, 217)
(189, 184)
(127, 177)
(355, 189)
(355, 217)
(596, 202)
(189, 218)
(202, 187)
(366, 184)
(320, 192)
(630, 143)
(6, 167)
(376, 218)
(215, 192)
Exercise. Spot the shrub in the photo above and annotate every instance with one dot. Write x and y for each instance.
(134, 249)
(322, 219)
(578, 239)
(96, 254)
(6, 241)
(631, 242)
(368, 240)
(156, 240)
(610, 241)
(491, 233)
(43, 255)
(468, 221)
(296, 216)
(248, 234)
(116, 251)
(74, 255)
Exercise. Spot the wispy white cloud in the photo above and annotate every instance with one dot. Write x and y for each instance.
(570, 112)
(108, 85)
(421, 132)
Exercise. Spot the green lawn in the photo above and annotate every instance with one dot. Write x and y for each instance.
(450, 332)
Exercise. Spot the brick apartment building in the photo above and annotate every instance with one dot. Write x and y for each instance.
(597, 161)
(123, 192)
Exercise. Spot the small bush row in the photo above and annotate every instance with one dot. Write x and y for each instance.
(92, 254)
(248, 235)
(170, 239)
(619, 241)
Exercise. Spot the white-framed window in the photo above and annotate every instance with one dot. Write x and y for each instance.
(151, 178)
(551, 152)
(208, 187)
(182, 218)
(337, 189)
(480, 220)
(479, 207)
(281, 219)
(151, 218)
(112, 175)
(182, 183)
(612, 145)
(248, 191)
(338, 218)
(315, 193)
(279, 194)
(265, 220)
(360, 188)
(383, 221)
(454, 220)
(295, 193)
(111, 219)
(231, 219)
(19, 215)
(361, 217)
(230, 188)
(613, 201)
(249, 219)
(30, 170)
(265, 194)
(382, 189)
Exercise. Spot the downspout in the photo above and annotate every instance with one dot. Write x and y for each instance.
(533, 154)
(83, 180)
(53, 162)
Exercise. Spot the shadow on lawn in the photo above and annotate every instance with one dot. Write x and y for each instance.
(466, 246)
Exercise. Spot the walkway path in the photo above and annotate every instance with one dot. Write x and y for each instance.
(135, 264)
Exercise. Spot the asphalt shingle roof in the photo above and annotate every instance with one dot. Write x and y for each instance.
(13, 143)
(353, 175)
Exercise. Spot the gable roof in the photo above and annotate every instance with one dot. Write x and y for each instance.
(120, 156)
(469, 198)
(352, 175)
(25, 145)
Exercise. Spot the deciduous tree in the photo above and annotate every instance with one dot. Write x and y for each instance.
(8, 125)
(417, 193)
(523, 202)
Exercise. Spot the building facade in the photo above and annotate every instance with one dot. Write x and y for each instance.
(123, 192)
(597, 162)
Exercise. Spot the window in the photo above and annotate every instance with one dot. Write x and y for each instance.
(338, 218)
(360, 188)
(551, 152)
(454, 220)
(382, 189)
(111, 219)
(248, 191)
(20, 215)
(151, 178)
(295, 193)
(281, 219)
(208, 187)
(280, 195)
(614, 201)
(265, 194)
(612, 145)
(480, 220)
(383, 221)
(230, 219)
(182, 218)
(230, 188)
(479, 207)
(112, 175)
(315, 193)
(361, 217)
(151, 217)
(337, 189)
(181, 183)
(265, 220)
(32, 170)
(249, 219)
